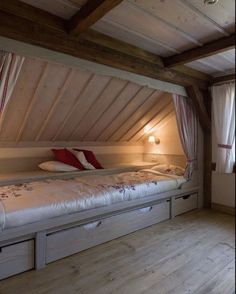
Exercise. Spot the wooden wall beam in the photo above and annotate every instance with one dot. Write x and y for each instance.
(209, 49)
(28, 31)
(197, 98)
(90, 13)
(207, 149)
(207, 170)
(202, 102)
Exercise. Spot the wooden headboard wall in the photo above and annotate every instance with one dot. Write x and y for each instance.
(27, 158)
(179, 160)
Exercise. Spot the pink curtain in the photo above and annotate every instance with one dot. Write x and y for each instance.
(10, 66)
(188, 131)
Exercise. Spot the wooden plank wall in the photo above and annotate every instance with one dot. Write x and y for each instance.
(23, 159)
(55, 103)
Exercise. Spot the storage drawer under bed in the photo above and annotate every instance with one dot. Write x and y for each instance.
(16, 258)
(185, 203)
(70, 241)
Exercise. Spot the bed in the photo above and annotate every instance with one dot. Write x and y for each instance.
(26, 203)
(43, 221)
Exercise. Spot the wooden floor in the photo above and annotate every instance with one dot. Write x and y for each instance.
(193, 253)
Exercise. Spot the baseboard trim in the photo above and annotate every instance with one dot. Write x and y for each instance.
(223, 208)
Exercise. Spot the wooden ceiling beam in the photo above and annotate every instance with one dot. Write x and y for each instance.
(90, 13)
(44, 18)
(32, 13)
(53, 22)
(28, 31)
(222, 79)
(209, 49)
(112, 43)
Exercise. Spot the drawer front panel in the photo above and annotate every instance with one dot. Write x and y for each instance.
(185, 203)
(17, 258)
(70, 241)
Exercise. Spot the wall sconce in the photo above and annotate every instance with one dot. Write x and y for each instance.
(153, 140)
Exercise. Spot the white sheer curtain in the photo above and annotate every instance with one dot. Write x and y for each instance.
(224, 124)
(10, 66)
(188, 131)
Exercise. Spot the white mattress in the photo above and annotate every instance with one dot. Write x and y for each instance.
(31, 202)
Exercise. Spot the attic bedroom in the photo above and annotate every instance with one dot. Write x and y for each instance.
(117, 146)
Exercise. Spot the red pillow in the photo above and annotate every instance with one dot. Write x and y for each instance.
(67, 157)
(91, 158)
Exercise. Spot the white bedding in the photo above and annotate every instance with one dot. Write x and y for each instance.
(31, 202)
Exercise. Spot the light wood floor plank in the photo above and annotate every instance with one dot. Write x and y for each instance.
(193, 253)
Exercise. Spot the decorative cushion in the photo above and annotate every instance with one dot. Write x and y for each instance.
(82, 159)
(65, 156)
(91, 158)
(56, 166)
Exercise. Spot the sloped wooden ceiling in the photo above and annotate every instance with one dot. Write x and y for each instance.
(52, 102)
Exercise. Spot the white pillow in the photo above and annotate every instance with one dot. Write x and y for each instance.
(178, 170)
(160, 167)
(82, 159)
(169, 169)
(56, 166)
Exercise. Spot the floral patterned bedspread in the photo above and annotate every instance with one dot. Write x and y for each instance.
(31, 202)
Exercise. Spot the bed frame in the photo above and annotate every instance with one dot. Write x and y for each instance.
(34, 245)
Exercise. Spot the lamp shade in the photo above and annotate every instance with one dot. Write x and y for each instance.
(151, 139)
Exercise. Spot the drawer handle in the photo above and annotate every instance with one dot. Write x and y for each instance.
(145, 209)
(186, 197)
(93, 225)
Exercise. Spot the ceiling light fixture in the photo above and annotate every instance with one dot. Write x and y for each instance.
(210, 2)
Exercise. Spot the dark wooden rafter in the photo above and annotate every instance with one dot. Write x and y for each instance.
(222, 79)
(48, 20)
(115, 44)
(209, 49)
(90, 13)
(112, 43)
(50, 34)
(33, 14)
